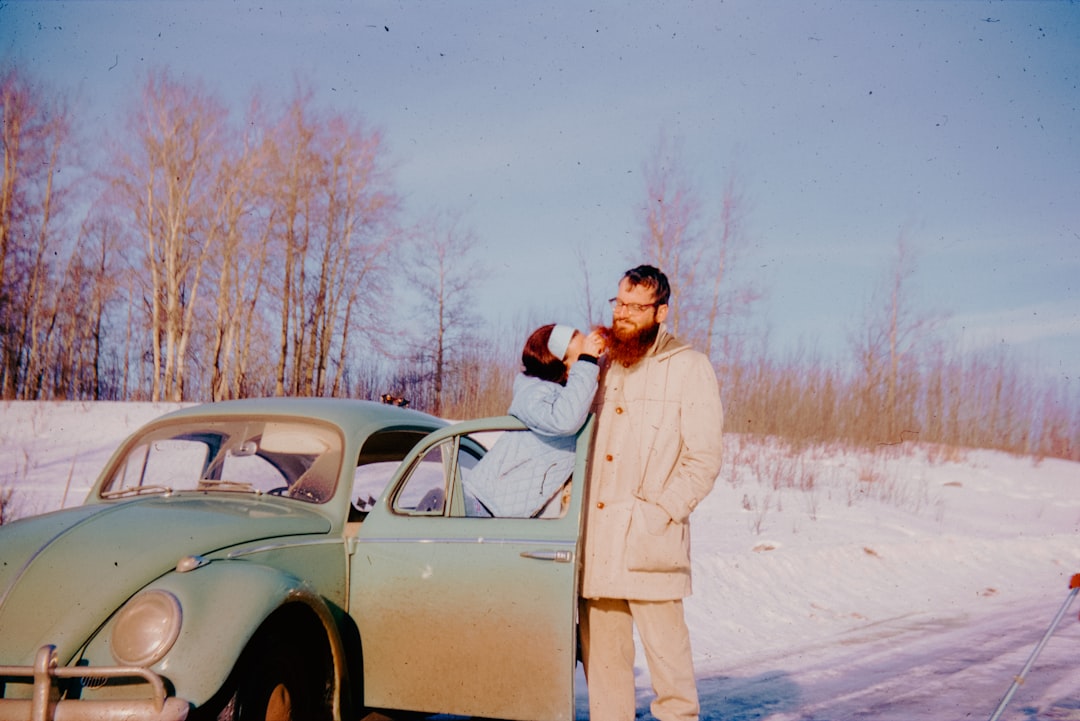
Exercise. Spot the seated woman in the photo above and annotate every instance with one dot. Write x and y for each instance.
(525, 470)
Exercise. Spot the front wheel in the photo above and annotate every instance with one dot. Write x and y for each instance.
(285, 674)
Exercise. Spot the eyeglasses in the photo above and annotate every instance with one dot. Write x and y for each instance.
(617, 305)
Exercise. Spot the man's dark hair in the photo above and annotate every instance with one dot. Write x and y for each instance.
(653, 278)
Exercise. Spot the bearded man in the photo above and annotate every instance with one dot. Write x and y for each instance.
(657, 453)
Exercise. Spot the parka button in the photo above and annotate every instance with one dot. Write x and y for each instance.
(618, 410)
(599, 504)
(609, 457)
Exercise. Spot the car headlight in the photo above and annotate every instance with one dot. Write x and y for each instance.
(146, 628)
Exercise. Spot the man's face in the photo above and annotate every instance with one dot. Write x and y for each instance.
(635, 311)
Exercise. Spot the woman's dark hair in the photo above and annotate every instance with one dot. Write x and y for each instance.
(538, 360)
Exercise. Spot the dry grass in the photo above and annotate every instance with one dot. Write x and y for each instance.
(9, 480)
(947, 403)
(770, 473)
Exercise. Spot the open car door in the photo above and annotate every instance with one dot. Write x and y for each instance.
(465, 615)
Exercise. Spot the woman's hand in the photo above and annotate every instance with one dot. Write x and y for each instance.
(595, 342)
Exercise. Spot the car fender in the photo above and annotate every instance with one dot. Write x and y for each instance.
(224, 603)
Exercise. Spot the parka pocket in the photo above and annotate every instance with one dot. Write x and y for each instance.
(654, 542)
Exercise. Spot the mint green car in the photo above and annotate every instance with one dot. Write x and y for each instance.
(301, 559)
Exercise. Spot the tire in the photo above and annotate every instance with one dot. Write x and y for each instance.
(285, 674)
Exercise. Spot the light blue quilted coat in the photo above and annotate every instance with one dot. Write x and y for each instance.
(525, 469)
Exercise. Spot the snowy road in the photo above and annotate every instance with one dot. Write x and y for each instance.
(918, 668)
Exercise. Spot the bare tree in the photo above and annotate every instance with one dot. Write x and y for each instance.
(20, 129)
(333, 219)
(238, 268)
(593, 315)
(444, 272)
(291, 177)
(167, 182)
(730, 299)
(886, 349)
(39, 318)
(37, 143)
(698, 256)
(99, 248)
(358, 235)
(672, 231)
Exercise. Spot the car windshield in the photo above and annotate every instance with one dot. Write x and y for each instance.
(297, 459)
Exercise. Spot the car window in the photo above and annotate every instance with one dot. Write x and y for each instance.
(380, 457)
(369, 480)
(434, 479)
(252, 470)
(164, 462)
(424, 491)
(296, 459)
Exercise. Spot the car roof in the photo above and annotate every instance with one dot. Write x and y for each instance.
(351, 414)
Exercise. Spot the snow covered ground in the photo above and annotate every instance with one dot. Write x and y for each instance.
(910, 584)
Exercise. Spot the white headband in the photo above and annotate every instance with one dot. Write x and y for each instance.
(559, 341)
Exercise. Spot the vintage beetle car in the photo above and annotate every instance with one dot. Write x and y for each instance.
(291, 558)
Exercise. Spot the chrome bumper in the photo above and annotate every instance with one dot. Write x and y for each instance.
(44, 706)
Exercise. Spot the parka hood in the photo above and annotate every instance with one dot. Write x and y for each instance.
(667, 344)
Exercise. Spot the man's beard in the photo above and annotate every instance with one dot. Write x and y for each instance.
(628, 347)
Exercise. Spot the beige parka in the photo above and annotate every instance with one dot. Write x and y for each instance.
(657, 453)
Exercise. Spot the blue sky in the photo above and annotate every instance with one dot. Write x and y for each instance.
(846, 123)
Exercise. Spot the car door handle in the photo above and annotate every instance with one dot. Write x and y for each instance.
(557, 556)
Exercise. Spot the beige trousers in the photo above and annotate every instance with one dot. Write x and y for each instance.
(607, 647)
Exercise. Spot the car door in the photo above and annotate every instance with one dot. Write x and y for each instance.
(464, 615)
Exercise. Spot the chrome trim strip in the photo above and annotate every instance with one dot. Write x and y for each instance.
(473, 541)
(555, 556)
(278, 545)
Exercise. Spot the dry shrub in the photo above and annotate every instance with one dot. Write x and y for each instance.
(7, 506)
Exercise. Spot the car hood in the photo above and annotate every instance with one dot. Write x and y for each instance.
(63, 574)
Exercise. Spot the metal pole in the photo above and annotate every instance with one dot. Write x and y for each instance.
(1074, 584)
